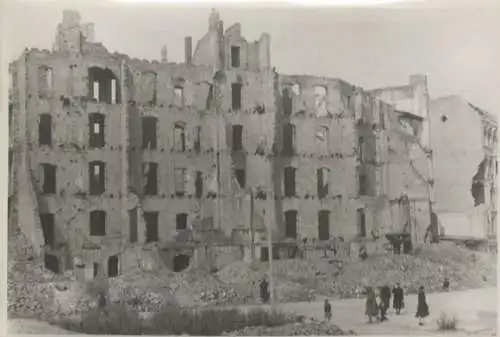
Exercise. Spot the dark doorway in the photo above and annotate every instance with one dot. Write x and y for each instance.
(47, 220)
(181, 262)
(288, 139)
(324, 225)
(291, 224)
(113, 266)
(287, 102)
(51, 263)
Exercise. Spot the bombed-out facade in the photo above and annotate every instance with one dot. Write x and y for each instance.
(119, 163)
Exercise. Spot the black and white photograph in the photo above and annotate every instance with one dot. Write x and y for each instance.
(251, 169)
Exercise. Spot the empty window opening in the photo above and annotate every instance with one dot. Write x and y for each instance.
(113, 266)
(289, 181)
(51, 263)
(133, 216)
(45, 80)
(181, 221)
(322, 182)
(324, 225)
(96, 130)
(288, 139)
(322, 136)
(287, 102)
(236, 96)
(48, 228)
(197, 139)
(237, 137)
(97, 221)
(240, 177)
(97, 177)
(361, 149)
(381, 116)
(48, 178)
(45, 130)
(478, 188)
(96, 269)
(103, 85)
(235, 57)
(362, 184)
(320, 102)
(199, 184)
(180, 176)
(181, 262)
(149, 125)
(291, 224)
(150, 171)
(180, 137)
(151, 219)
(296, 89)
(179, 96)
(361, 221)
(149, 79)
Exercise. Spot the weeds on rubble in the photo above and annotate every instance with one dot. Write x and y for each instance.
(446, 322)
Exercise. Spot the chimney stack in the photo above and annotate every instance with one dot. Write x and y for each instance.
(189, 52)
(164, 58)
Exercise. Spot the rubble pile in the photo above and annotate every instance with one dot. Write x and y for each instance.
(303, 279)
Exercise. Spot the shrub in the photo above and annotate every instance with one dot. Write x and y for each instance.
(446, 322)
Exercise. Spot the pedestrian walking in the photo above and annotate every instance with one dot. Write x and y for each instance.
(328, 310)
(264, 291)
(398, 298)
(381, 305)
(370, 305)
(385, 293)
(422, 307)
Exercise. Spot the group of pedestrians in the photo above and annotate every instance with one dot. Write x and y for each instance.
(377, 303)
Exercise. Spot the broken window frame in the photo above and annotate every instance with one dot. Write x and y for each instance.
(323, 182)
(97, 223)
(236, 96)
(48, 178)
(149, 132)
(180, 137)
(320, 101)
(322, 131)
(197, 139)
(181, 221)
(152, 228)
(288, 147)
(150, 175)
(235, 56)
(47, 222)
(237, 137)
(97, 140)
(289, 189)
(106, 83)
(45, 130)
(180, 181)
(97, 181)
(45, 80)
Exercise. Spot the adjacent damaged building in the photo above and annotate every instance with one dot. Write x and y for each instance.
(120, 163)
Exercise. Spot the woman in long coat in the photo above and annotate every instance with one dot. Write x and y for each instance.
(422, 307)
(398, 298)
(371, 309)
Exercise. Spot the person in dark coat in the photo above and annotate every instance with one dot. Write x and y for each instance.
(385, 293)
(328, 310)
(371, 309)
(264, 291)
(422, 307)
(398, 298)
(381, 305)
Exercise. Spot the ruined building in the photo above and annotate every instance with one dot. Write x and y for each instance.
(464, 139)
(121, 163)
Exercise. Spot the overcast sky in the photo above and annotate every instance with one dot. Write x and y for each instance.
(459, 49)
